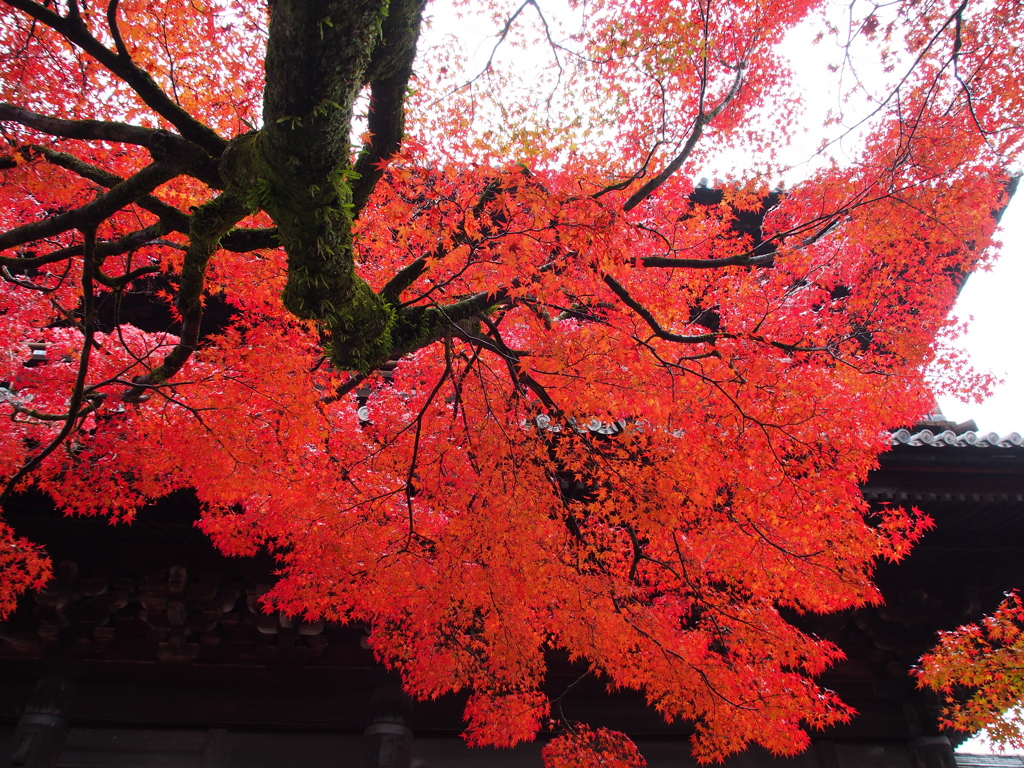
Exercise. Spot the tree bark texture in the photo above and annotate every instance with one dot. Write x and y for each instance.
(298, 167)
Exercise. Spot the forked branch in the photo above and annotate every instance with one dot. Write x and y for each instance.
(700, 122)
(209, 224)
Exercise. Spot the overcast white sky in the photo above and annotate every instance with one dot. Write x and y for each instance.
(996, 299)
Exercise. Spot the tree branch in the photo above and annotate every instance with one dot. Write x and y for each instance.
(115, 31)
(89, 215)
(172, 218)
(122, 280)
(129, 242)
(209, 224)
(496, 344)
(388, 74)
(77, 393)
(648, 318)
(238, 240)
(73, 29)
(412, 271)
(245, 240)
(731, 261)
(162, 145)
(419, 326)
(302, 158)
(402, 279)
(702, 120)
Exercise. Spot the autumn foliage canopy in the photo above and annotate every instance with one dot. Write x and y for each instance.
(493, 374)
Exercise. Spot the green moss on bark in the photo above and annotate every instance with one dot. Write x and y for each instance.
(320, 53)
(314, 222)
(297, 168)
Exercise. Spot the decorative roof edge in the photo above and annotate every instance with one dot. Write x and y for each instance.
(950, 438)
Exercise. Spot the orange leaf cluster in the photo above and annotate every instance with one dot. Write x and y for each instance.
(627, 415)
(586, 748)
(978, 670)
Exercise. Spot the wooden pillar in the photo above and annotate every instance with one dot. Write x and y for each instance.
(932, 752)
(387, 741)
(43, 727)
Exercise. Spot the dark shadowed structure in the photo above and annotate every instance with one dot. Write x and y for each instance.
(150, 649)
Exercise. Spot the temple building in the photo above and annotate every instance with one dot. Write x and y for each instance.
(149, 648)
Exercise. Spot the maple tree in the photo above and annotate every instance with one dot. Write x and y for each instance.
(497, 378)
(978, 670)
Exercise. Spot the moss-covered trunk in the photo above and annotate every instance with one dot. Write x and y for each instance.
(320, 54)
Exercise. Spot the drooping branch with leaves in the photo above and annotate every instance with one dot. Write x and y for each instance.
(978, 671)
(490, 373)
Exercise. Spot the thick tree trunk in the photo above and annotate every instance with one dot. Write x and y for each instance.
(298, 168)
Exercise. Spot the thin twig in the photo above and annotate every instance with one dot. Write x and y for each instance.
(88, 328)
